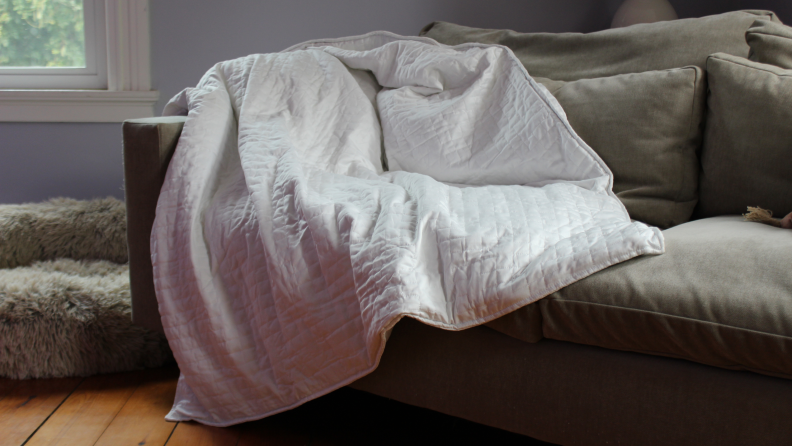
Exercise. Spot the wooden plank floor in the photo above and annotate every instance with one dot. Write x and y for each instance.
(129, 409)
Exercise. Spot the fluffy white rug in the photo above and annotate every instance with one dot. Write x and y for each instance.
(63, 228)
(69, 317)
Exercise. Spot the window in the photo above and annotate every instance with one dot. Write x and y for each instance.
(53, 44)
(74, 60)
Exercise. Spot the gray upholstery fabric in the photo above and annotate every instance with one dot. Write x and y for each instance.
(556, 391)
(524, 323)
(634, 49)
(770, 43)
(746, 157)
(720, 295)
(647, 127)
(148, 147)
(575, 394)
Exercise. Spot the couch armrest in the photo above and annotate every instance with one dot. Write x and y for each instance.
(148, 147)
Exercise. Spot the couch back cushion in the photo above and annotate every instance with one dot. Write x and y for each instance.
(647, 127)
(770, 42)
(747, 153)
(634, 49)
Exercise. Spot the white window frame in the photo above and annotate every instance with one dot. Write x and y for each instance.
(115, 84)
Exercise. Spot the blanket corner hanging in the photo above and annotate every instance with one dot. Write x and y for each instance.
(320, 194)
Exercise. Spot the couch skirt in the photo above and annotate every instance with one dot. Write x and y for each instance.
(573, 394)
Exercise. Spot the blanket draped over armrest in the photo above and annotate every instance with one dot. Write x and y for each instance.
(320, 194)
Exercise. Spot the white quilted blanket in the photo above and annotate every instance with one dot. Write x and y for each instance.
(284, 252)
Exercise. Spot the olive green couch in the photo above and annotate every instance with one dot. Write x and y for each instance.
(690, 347)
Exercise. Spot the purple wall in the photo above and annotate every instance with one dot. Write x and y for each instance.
(41, 160)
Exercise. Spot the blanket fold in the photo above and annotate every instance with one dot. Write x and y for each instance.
(284, 251)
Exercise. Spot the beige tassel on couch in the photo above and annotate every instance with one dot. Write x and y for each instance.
(765, 216)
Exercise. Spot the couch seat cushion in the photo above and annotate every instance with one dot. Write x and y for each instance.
(720, 295)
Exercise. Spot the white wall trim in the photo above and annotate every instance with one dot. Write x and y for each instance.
(128, 58)
(128, 94)
(75, 105)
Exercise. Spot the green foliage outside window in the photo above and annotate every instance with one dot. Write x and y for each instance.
(42, 33)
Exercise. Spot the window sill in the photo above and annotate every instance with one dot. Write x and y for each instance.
(75, 105)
